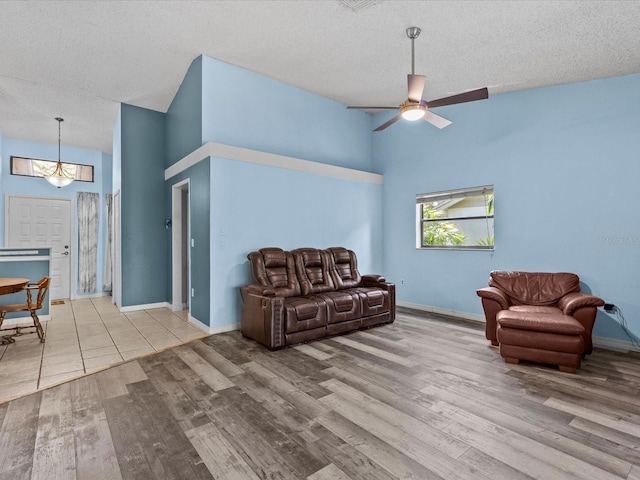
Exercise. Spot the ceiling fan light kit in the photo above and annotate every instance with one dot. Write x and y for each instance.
(415, 108)
(412, 111)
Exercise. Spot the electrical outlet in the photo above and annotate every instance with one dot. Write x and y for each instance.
(193, 292)
(401, 282)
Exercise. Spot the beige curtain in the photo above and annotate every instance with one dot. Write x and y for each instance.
(88, 218)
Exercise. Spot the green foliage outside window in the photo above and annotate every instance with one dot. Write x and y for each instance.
(439, 233)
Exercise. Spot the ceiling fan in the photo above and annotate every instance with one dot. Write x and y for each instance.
(415, 108)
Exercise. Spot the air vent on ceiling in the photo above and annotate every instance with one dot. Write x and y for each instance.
(356, 5)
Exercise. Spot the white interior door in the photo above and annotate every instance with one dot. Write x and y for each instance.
(32, 222)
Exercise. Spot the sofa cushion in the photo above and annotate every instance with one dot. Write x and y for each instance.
(275, 268)
(345, 268)
(374, 300)
(534, 288)
(304, 313)
(312, 269)
(342, 306)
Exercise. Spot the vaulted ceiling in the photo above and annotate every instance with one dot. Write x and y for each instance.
(78, 60)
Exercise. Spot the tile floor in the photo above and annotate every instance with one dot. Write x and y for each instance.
(83, 336)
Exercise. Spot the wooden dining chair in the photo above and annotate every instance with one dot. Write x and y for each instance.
(31, 306)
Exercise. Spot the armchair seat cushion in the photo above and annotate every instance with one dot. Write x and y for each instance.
(560, 324)
(536, 309)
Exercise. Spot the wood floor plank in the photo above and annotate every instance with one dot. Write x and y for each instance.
(218, 454)
(18, 435)
(560, 461)
(610, 421)
(226, 367)
(211, 375)
(392, 460)
(54, 451)
(406, 423)
(425, 454)
(262, 440)
(349, 459)
(330, 472)
(96, 456)
(392, 357)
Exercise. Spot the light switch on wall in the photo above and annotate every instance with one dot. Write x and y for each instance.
(193, 242)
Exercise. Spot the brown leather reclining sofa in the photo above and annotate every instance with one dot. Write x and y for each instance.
(307, 294)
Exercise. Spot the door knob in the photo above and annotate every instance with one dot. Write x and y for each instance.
(65, 253)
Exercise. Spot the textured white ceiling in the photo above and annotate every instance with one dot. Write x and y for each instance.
(78, 59)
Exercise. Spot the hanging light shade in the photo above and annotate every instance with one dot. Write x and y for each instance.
(58, 178)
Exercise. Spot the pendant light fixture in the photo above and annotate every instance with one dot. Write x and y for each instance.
(59, 178)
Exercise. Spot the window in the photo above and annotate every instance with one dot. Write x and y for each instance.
(31, 167)
(457, 219)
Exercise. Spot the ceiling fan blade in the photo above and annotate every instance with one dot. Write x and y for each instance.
(373, 108)
(436, 120)
(390, 122)
(472, 96)
(416, 87)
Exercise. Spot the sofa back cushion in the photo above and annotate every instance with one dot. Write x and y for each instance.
(273, 267)
(313, 270)
(534, 288)
(344, 271)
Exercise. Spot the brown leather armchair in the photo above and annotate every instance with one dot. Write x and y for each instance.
(546, 309)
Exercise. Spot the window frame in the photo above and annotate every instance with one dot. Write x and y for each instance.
(53, 162)
(457, 194)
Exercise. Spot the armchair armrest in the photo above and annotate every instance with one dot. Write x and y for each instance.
(372, 280)
(573, 301)
(492, 293)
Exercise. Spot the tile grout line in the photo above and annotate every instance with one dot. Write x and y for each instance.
(155, 320)
(134, 326)
(75, 324)
(108, 333)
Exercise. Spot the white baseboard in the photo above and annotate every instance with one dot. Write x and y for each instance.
(78, 296)
(178, 307)
(146, 306)
(600, 342)
(213, 330)
(442, 311)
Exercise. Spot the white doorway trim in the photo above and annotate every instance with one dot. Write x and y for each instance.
(117, 254)
(178, 226)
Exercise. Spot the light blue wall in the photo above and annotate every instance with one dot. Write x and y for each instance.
(255, 206)
(565, 164)
(32, 186)
(184, 116)
(144, 238)
(245, 109)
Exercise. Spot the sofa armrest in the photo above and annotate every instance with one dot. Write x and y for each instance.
(573, 301)
(261, 290)
(372, 280)
(262, 317)
(492, 293)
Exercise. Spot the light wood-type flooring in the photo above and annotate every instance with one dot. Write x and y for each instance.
(423, 398)
(84, 336)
